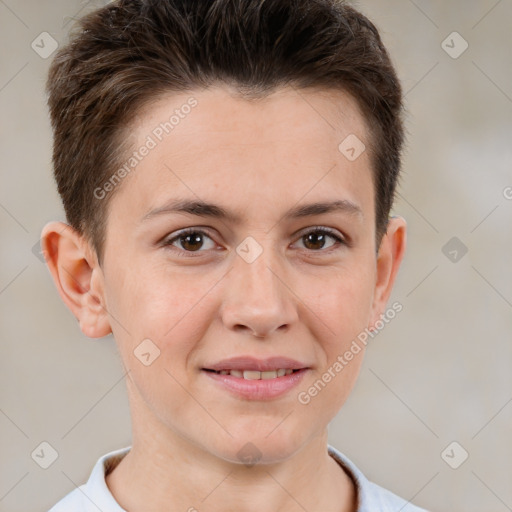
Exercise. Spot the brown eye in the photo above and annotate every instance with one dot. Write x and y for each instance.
(190, 240)
(315, 240)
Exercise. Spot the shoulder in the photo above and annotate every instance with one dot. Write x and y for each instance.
(372, 497)
(94, 495)
(383, 500)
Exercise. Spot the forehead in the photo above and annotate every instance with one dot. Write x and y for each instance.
(210, 143)
(286, 111)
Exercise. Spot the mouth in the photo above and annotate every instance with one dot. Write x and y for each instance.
(256, 375)
(250, 378)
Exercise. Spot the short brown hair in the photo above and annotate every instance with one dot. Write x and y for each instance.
(128, 53)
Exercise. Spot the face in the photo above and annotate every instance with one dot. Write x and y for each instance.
(188, 290)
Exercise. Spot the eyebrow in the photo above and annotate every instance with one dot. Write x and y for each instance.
(211, 210)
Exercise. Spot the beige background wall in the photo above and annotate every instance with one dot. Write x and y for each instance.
(440, 372)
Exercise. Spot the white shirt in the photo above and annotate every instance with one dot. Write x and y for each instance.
(95, 496)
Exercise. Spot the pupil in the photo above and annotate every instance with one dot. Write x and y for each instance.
(317, 237)
(196, 238)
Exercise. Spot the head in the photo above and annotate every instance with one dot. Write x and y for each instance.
(229, 117)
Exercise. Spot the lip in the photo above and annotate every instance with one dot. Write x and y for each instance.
(260, 365)
(264, 389)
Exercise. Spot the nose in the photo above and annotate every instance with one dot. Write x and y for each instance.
(258, 299)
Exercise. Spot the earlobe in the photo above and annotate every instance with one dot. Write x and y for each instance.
(389, 258)
(77, 276)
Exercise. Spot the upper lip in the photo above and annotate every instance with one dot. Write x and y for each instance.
(254, 364)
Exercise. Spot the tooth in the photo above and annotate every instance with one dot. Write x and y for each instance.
(252, 375)
(255, 375)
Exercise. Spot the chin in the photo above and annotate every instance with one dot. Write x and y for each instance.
(258, 447)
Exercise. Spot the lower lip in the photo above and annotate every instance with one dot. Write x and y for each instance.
(257, 389)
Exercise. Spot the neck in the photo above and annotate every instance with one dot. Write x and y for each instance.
(164, 471)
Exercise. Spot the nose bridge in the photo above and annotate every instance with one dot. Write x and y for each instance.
(256, 268)
(256, 296)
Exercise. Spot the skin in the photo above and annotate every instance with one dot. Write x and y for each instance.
(300, 298)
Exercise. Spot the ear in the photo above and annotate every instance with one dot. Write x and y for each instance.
(79, 279)
(389, 258)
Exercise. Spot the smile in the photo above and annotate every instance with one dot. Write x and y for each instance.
(254, 384)
(256, 375)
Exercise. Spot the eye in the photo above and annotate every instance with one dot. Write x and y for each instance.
(191, 240)
(315, 239)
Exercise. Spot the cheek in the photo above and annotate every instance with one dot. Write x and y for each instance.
(341, 302)
(171, 308)
(344, 306)
(163, 318)
(146, 296)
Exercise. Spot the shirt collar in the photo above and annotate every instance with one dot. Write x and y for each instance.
(100, 497)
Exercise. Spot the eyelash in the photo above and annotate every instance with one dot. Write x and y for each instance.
(191, 254)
